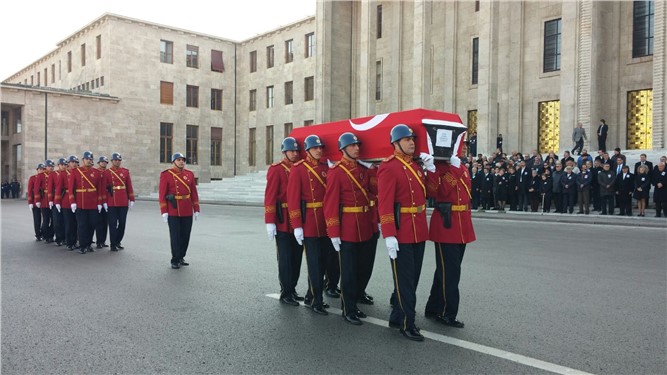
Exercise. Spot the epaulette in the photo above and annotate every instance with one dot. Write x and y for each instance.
(388, 159)
(166, 170)
(297, 163)
(276, 163)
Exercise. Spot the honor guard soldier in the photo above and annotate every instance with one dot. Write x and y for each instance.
(448, 182)
(402, 210)
(349, 221)
(120, 197)
(289, 252)
(63, 203)
(179, 201)
(305, 196)
(43, 197)
(85, 195)
(53, 193)
(34, 203)
(106, 190)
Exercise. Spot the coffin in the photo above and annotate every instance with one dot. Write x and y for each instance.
(438, 133)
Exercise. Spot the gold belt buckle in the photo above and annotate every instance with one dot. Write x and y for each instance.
(420, 209)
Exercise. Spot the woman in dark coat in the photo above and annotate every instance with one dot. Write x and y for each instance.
(545, 191)
(642, 186)
(534, 191)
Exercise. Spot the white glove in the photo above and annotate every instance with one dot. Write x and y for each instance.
(51, 205)
(427, 159)
(392, 246)
(38, 204)
(336, 243)
(58, 207)
(131, 204)
(298, 234)
(455, 161)
(271, 231)
(164, 217)
(365, 163)
(196, 216)
(73, 207)
(330, 163)
(99, 208)
(30, 206)
(380, 228)
(106, 207)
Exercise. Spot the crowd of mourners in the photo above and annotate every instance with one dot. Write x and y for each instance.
(567, 183)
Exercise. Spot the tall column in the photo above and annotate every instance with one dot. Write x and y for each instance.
(487, 88)
(659, 75)
(421, 54)
(366, 59)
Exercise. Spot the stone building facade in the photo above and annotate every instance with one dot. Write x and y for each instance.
(528, 70)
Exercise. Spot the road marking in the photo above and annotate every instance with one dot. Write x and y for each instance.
(518, 358)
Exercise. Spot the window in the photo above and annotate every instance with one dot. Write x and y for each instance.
(60, 70)
(102, 81)
(308, 122)
(310, 45)
(216, 146)
(269, 57)
(166, 51)
(379, 21)
(46, 76)
(53, 73)
(216, 100)
(309, 88)
(378, 80)
(217, 65)
(69, 61)
(642, 28)
(5, 123)
(552, 31)
(191, 138)
(166, 92)
(192, 96)
(18, 155)
(475, 60)
(251, 147)
(83, 54)
(268, 159)
(97, 82)
(39, 80)
(166, 139)
(98, 46)
(32, 80)
(476, 6)
(252, 100)
(287, 128)
(289, 93)
(191, 56)
(269, 97)
(253, 61)
(18, 125)
(289, 51)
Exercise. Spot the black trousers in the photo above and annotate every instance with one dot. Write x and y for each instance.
(444, 297)
(660, 208)
(86, 221)
(366, 263)
(512, 198)
(602, 143)
(70, 226)
(569, 198)
(595, 197)
(523, 200)
(607, 204)
(317, 255)
(179, 234)
(332, 271)
(558, 201)
(47, 223)
(546, 207)
(289, 254)
(117, 217)
(58, 224)
(37, 221)
(406, 270)
(101, 228)
(349, 255)
(624, 204)
(578, 145)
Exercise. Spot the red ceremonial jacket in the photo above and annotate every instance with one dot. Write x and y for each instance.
(275, 195)
(181, 184)
(451, 184)
(62, 192)
(32, 187)
(401, 180)
(307, 182)
(348, 201)
(121, 184)
(41, 190)
(85, 188)
(51, 184)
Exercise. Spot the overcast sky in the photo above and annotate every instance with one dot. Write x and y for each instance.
(31, 29)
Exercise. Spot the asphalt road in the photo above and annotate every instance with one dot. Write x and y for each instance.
(537, 297)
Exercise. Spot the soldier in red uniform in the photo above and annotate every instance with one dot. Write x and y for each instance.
(41, 194)
(348, 217)
(402, 210)
(120, 198)
(52, 186)
(86, 195)
(63, 203)
(102, 220)
(179, 201)
(305, 200)
(451, 229)
(34, 203)
(288, 251)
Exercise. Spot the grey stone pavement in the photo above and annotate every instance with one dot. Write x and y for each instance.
(539, 294)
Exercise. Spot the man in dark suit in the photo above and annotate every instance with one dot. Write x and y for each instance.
(625, 185)
(523, 178)
(643, 161)
(603, 128)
